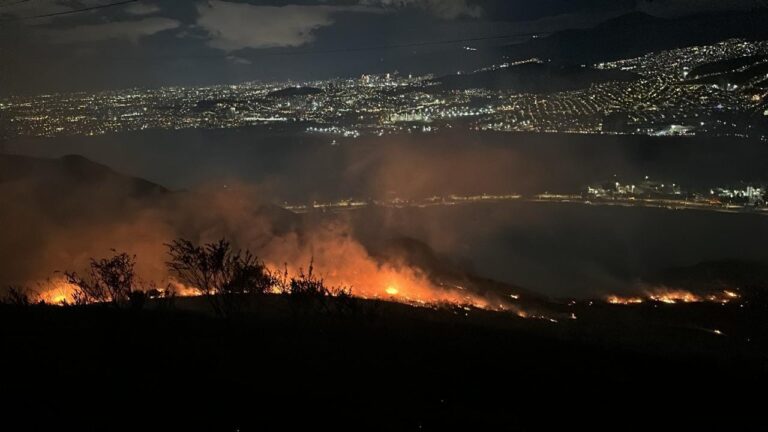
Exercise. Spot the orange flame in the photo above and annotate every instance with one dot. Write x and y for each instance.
(674, 296)
(624, 300)
(391, 290)
(57, 292)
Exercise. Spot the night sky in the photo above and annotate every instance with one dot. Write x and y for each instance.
(162, 42)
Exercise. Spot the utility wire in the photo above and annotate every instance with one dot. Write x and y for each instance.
(9, 4)
(69, 12)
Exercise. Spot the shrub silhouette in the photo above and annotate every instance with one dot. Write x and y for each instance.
(228, 279)
(308, 285)
(17, 296)
(308, 291)
(222, 275)
(110, 280)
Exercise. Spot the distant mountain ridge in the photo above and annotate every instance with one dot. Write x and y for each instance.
(534, 78)
(72, 172)
(638, 33)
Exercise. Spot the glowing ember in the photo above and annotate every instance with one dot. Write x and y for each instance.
(391, 290)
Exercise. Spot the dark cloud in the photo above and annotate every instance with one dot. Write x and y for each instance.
(142, 9)
(445, 9)
(125, 30)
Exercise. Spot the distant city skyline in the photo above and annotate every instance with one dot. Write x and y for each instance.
(685, 91)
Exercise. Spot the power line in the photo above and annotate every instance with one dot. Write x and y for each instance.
(17, 2)
(69, 12)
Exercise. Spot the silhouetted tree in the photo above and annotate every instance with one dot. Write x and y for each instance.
(17, 296)
(219, 273)
(110, 280)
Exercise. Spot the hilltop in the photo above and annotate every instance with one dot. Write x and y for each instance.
(533, 78)
(638, 33)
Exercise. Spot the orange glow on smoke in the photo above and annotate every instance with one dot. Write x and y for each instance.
(341, 261)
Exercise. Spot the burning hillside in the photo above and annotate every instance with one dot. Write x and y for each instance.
(359, 276)
(87, 216)
(674, 296)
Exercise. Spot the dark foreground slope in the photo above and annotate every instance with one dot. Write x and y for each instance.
(378, 366)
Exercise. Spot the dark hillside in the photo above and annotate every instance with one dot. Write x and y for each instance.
(385, 367)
